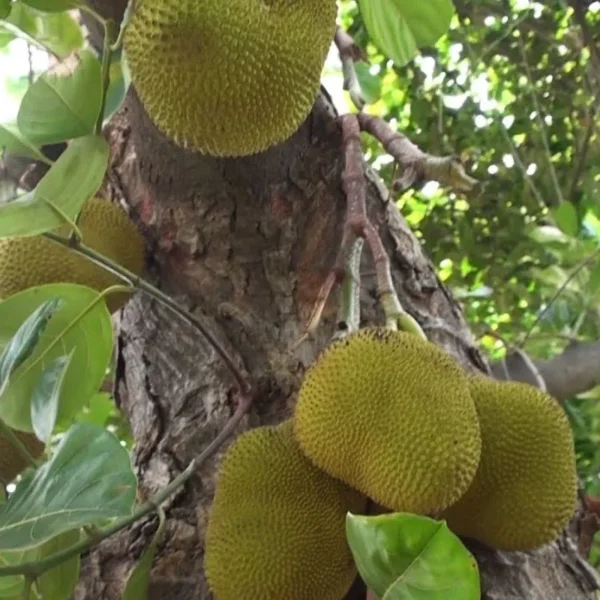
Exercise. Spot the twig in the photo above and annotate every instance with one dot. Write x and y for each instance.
(559, 291)
(137, 282)
(541, 123)
(349, 54)
(34, 569)
(358, 225)
(349, 311)
(417, 166)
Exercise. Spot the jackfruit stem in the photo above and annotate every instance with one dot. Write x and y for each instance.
(350, 53)
(417, 166)
(8, 433)
(349, 311)
(137, 282)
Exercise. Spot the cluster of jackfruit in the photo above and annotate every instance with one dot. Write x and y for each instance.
(228, 78)
(31, 261)
(395, 418)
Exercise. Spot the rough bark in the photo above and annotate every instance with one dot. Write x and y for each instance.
(245, 244)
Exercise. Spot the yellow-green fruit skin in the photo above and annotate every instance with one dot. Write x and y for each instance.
(31, 261)
(229, 78)
(525, 490)
(277, 524)
(11, 462)
(391, 415)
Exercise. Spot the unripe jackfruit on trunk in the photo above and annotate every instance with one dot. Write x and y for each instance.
(277, 524)
(525, 489)
(391, 415)
(229, 78)
(31, 261)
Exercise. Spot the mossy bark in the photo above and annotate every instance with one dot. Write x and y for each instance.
(245, 244)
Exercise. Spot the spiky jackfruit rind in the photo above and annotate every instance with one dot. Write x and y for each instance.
(391, 415)
(31, 261)
(229, 78)
(12, 463)
(525, 489)
(277, 524)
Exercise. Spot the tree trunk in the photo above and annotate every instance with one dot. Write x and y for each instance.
(245, 244)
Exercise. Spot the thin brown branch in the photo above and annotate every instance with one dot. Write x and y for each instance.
(417, 166)
(350, 53)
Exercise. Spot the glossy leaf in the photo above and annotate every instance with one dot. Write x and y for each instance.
(5, 6)
(58, 583)
(12, 140)
(137, 584)
(401, 27)
(88, 481)
(566, 218)
(74, 178)
(23, 342)
(82, 326)
(46, 397)
(63, 103)
(51, 5)
(402, 556)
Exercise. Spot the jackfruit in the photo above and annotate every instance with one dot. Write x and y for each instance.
(525, 489)
(277, 523)
(390, 414)
(229, 78)
(31, 261)
(11, 462)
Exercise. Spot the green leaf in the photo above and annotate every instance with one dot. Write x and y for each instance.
(99, 409)
(74, 178)
(51, 5)
(400, 27)
(369, 84)
(61, 104)
(87, 481)
(566, 218)
(82, 326)
(46, 397)
(119, 85)
(402, 556)
(5, 6)
(59, 33)
(58, 583)
(23, 342)
(137, 584)
(12, 139)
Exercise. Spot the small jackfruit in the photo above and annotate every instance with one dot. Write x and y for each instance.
(229, 78)
(390, 414)
(525, 489)
(11, 462)
(31, 261)
(277, 523)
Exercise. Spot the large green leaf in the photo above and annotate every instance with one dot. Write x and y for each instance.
(402, 556)
(400, 27)
(61, 104)
(566, 218)
(88, 481)
(59, 33)
(4, 8)
(74, 178)
(51, 5)
(46, 396)
(58, 583)
(23, 342)
(12, 139)
(77, 328)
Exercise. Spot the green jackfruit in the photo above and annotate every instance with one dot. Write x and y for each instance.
(30, 261)
(525, 489)
(229, 78)
(11, 462)
(277, 524)
(390, 414)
